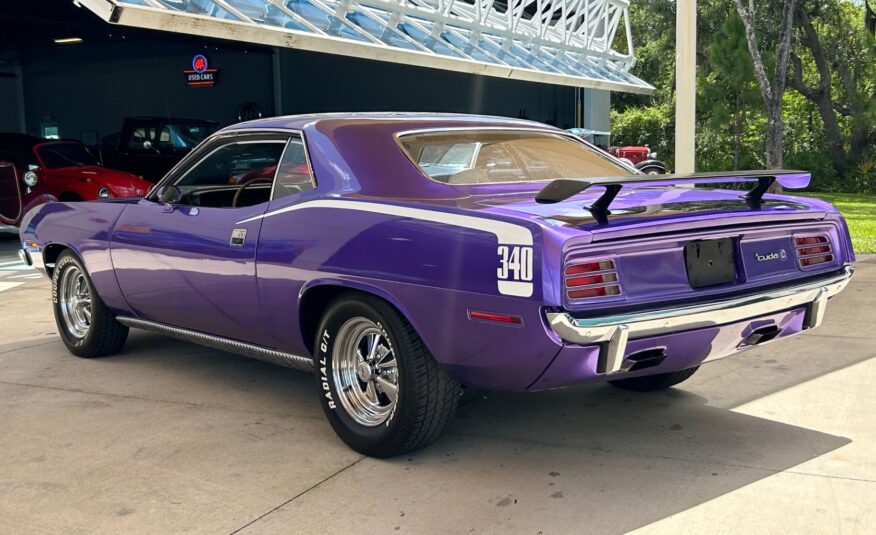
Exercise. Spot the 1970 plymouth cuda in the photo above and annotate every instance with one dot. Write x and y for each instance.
(402, 256)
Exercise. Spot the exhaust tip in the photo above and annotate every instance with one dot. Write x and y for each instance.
(761, 335)
(646, 358)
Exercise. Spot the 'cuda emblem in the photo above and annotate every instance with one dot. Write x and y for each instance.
(780, 254)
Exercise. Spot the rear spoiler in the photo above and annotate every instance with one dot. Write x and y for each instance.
(564, 188)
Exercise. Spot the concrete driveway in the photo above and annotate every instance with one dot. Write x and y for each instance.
(168, 437)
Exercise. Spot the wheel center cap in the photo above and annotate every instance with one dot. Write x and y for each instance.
(364, 371)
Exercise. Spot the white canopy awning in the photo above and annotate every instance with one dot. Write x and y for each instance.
(563, 42)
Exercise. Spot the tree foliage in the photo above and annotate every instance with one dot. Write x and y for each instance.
(827, 112)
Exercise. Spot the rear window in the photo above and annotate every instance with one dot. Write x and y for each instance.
(488, 157)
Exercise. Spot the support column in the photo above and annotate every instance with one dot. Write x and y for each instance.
(277, 75)
(685, 84)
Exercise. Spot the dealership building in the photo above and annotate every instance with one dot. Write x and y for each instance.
(74, 69)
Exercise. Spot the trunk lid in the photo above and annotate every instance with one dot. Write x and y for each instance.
(648, 234)
(658, 210)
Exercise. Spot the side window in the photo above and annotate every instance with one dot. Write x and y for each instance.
(293, 174)
(140, 135)
(235, 164)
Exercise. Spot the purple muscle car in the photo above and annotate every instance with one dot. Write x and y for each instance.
(402, 256)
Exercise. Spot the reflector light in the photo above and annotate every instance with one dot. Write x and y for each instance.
(498, 318)
(591, 279)
(813, 250)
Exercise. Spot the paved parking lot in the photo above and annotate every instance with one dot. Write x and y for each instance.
(169, 437)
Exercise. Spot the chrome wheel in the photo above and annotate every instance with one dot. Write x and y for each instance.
(365, 372)
(74, 299)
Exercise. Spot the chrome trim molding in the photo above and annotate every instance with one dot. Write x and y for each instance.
(615, 331)
(224, 344)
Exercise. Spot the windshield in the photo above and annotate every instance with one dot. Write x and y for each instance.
(184, 135)
(57, 155)
(487, 157)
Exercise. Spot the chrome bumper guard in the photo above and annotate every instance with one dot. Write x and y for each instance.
(25, 257)
(615, 331)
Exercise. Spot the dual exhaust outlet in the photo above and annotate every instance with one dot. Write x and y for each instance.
(654, 356)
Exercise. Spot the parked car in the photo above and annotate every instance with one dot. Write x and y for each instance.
(417, 253)
(150, 146)
(643, 158)
(34, 171)
(640, 157)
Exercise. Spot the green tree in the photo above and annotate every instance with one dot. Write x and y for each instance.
(727, 86)
(834, 69)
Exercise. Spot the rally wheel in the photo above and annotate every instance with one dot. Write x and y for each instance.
(650, 383)
(380, 388)
(86, 326)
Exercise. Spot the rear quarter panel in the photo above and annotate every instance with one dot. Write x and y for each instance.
(432, 271)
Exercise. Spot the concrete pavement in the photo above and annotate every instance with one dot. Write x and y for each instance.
(170, 437)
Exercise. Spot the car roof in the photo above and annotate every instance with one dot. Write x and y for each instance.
(324, 121)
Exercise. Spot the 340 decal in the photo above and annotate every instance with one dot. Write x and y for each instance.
(515, 263)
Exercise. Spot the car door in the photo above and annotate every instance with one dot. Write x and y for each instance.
(191, 264)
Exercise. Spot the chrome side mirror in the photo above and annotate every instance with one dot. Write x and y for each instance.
(168, 195)
(147, 145)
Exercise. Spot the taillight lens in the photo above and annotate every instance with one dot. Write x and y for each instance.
(596, 278)
(813, 250)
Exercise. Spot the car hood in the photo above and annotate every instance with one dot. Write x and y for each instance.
(118, 182)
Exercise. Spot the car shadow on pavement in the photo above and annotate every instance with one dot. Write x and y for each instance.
(608, 459)
(605, 458)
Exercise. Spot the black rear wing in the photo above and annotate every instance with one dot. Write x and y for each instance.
(565, 188)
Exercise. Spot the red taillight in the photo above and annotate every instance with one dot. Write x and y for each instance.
(498, 318)
(811, 261)
(805, 251)
(601, 291)
(590, 267)
(810, 240)
(813, 250)
(591, 279)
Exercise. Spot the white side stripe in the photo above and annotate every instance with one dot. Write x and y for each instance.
(506, 233)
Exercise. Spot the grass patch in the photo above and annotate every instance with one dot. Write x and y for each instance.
(859, 209)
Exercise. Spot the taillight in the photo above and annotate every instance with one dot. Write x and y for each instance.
(586, 280)
(813, 250)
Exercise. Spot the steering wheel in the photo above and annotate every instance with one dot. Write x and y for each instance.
(246, 185)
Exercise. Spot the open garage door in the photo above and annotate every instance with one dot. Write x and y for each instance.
(561, 42)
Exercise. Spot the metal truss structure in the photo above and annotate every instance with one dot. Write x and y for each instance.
(564, 42)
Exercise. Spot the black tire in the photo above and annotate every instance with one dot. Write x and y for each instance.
(427, 397)
(650, 383)
(104, 335)
(653, 171)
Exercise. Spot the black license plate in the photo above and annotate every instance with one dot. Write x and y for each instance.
(710, 262)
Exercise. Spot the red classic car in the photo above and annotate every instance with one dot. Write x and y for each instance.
(34, 171)
(641, 157)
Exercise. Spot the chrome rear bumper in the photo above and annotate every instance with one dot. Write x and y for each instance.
(616, 331)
